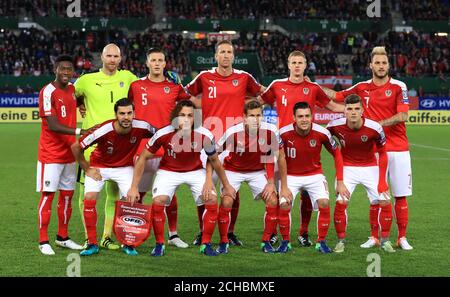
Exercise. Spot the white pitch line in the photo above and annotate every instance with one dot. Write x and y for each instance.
(430, 147)
(431, 159)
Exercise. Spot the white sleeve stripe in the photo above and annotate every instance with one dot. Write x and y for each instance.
(205, 132)
(230, 131)
(337, 122)
(100, 132)
(47, 97)
(269, 126)
(373, 125)
(198, 75)
(399, 83)
(321, 129)
(287, 128)
(273, 82)
(161, 132)
(361, 82)
(141, 124)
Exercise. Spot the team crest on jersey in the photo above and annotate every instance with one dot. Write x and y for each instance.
(47, 183)
(235, 82)
(133, 139)
(364, 138)
(166, 90)
(305, 91)
(194, 145)
(73, 96)
(121, 84)
(342, 141)
(388, 93)
(312, 143)
(261, 141)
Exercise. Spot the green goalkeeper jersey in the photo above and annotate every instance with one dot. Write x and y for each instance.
(101, 92)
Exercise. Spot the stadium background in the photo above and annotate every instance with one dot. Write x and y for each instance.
(337, 37)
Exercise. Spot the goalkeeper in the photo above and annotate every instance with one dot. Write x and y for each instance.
(97, 92)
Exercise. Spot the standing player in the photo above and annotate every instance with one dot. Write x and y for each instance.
(117, 141)
(303, 142)
(252, 146)
(98, 92)
(181, 164)
(154, 96)
(56, 168)
(386, 101)
(284, 94)
(223, 93)
(358, 137)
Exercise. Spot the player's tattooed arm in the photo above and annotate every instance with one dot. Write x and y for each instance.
(398, 118)
(55, 126)
(330, 93)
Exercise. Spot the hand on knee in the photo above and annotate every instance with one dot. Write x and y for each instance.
(226, 202)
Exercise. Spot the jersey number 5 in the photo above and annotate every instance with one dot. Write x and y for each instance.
(144, 98)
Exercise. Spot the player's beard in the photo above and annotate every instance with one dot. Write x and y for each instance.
(125, 124)
(380, 76)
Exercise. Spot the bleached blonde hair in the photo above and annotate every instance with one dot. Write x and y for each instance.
(378, 50)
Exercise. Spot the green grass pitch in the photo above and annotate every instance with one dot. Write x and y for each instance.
(427, 232)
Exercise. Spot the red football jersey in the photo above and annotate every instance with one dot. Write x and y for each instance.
(358, 146)
(223, 97)
(115, 150)
(249, 153)
(55, 147)
(303, 152)
(383, 102)
(181, 154)
(153, 102)
(284, 94)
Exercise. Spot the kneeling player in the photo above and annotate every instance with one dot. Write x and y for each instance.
(117, 141)
(358, 137)
(303, 142)
(252, 145)
(181, 165)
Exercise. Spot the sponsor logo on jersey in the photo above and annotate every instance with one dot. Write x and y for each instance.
(144, 89)
(235, 82)
(291, 142)
(388, 93)
(133, 139)
(212, 81)
(98, 84)
(364, 138)
(166, 90)
(305, 91)
(121, 84)
(284, 90)
(62, 101)
(312, 143)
